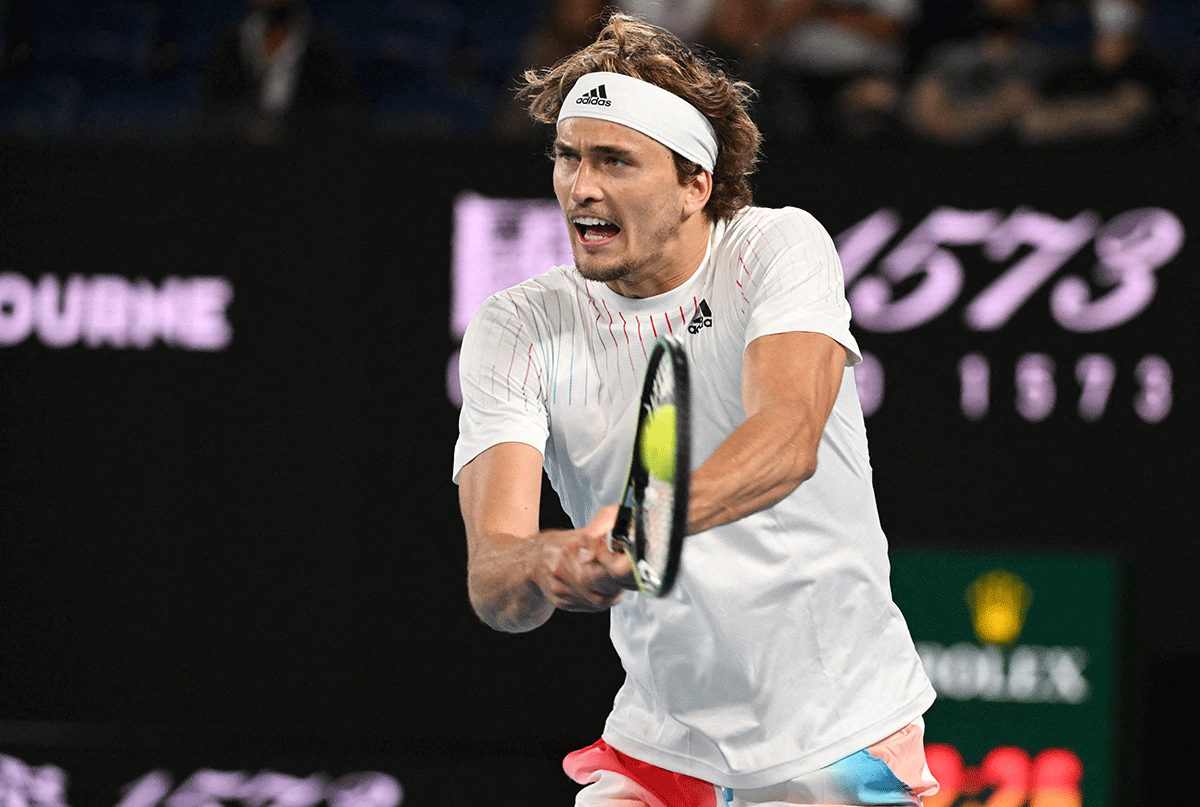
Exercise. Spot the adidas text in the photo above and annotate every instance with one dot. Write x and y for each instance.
(702, 319)
(587, 99)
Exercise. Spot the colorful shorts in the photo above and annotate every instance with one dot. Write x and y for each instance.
(890, 772)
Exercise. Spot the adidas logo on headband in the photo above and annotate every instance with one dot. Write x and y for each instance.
(597, 97)
(647, 108)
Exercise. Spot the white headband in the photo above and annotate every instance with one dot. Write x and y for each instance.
(649, 109)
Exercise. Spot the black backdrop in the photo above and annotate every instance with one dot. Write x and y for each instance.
(252, 557)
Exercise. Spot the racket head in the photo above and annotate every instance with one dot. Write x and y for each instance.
(652, 520)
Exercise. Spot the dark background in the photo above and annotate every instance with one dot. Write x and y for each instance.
(254, 557)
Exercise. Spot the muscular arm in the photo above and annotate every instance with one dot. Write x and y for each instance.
(518, 574)
(789, 384)
(934, 112)
(1101, 113)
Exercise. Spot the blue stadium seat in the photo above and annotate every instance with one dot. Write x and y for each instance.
(495, 31)
(114, 105)
(119, 32)
(121, 95)
(195, 27)
(350, 21)
(39, 106)
(437, 111)
(407, 61)
(413, 39)
(57, 32)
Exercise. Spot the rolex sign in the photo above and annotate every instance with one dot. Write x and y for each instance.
(1022, 650)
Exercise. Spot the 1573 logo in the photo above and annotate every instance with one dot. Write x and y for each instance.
(921, 277)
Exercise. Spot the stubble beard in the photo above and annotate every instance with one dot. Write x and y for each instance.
(632, 267)
(607, 274)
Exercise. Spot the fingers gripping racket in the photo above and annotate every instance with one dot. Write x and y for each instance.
(652, 519)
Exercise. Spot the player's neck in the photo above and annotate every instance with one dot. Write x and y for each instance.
(680, 259)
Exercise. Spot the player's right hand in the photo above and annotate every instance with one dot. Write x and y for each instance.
(578, 572)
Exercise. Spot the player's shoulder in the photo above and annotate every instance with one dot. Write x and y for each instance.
(774, 227)
(532, 295)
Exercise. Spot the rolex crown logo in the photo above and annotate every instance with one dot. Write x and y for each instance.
(998, 601)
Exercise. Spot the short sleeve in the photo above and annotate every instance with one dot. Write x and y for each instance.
(502, 382)
(797, 281)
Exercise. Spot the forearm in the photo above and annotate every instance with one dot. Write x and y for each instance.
(516, 583)
(1088, 115)
(789, 384)
(760, 463)
(935, 113)
(502, 585)
(961, 121)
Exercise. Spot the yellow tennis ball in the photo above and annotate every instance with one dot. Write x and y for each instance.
(658, 443)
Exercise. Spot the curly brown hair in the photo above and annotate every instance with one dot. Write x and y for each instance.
(635, 48)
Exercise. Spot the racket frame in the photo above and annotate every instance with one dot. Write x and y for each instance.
(631, 514)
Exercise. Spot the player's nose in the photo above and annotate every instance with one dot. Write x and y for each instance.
(586, 185)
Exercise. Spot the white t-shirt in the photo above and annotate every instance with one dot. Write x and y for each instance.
(779, 651)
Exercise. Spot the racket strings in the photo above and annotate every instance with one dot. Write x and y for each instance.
(663, 388)
(656, 515)
(656, 512)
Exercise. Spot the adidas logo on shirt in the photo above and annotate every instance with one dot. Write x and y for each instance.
(703, 318)
(597, 97)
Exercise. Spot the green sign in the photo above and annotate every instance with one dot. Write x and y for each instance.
(1022, 649)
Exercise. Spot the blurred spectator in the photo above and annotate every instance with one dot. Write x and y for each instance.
(836, 66)
(729, 29)
(1116, 88)
(278, 75)
(977, 88)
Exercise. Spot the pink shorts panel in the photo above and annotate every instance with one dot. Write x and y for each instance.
(636, 783)
(614, 779)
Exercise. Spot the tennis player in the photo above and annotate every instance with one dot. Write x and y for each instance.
(778, 671)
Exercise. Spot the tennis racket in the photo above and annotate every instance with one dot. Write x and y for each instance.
(652, 519)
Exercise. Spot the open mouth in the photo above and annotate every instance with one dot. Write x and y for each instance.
(593, 230)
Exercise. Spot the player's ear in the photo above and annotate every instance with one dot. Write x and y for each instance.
(697, 190)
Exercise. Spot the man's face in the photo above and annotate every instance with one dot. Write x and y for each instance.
(622, 200)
